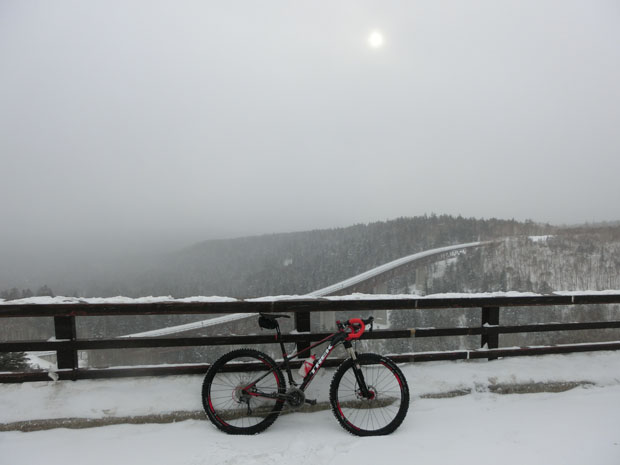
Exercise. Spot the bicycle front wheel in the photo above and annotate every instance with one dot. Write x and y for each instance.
(387, 406)
(228, 404)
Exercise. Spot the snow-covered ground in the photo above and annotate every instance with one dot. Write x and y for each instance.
(579, 426)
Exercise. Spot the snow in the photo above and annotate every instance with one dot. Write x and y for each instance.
(112, 300)
(38, 363)
(311, 296)
(572, 428)
(578, 426)
(274, 298)
(577, 293)
(540, 238)
(446, 295)
(147, 396)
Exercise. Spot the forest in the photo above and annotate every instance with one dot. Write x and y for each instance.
(288, 263)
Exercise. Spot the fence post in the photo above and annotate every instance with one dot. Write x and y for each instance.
(490, 336)
(302, 325)
(64, 329)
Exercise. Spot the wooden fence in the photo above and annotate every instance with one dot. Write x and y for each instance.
(66, 344)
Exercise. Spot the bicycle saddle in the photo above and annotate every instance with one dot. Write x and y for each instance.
(269, 320)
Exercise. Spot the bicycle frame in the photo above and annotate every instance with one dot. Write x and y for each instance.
(334, 340)
(339, 337)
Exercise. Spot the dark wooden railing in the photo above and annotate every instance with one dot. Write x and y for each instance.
(66, 344)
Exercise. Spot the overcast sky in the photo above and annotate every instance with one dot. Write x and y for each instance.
(132, 122)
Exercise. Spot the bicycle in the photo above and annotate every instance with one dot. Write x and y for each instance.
(244, 391)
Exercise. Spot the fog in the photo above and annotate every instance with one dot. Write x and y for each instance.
(128, 127)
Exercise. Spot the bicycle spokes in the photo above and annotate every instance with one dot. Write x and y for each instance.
(371, 401)
(234, 400)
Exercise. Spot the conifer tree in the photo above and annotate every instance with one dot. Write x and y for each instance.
(13, 361)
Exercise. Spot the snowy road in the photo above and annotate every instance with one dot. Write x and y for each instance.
(580, 426)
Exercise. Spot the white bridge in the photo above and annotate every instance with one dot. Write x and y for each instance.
(372, 282)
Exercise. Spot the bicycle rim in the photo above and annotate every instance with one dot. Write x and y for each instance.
(228, 406)
(384, 411)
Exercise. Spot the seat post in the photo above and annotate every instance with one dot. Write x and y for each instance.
(287, 366)
(302, 325)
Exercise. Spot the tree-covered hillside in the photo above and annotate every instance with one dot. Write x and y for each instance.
(572, 259)
(298, 263)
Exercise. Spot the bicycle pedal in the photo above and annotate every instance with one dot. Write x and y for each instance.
(311, 401)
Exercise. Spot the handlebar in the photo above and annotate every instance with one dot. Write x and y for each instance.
(357, 326)
(369, 320)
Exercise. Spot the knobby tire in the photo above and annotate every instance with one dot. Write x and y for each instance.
(379, 415)
(233, 411)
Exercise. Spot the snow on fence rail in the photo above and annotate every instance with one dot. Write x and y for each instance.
(66, 344)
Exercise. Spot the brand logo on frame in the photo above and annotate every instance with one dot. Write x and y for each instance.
(319, 362)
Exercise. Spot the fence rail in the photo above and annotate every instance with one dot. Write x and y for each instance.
(66, 344)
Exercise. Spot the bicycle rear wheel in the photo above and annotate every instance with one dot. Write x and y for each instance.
(233, 410)
(384, 411)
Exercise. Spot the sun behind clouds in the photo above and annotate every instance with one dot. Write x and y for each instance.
(375, 39)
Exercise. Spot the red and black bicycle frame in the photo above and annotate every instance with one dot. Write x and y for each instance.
(340, 337)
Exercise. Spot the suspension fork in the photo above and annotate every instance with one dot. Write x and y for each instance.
(357, 370)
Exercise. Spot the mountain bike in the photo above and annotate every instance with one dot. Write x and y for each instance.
(244, 391)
